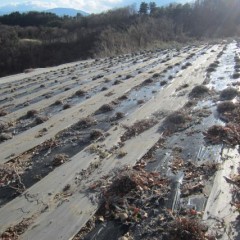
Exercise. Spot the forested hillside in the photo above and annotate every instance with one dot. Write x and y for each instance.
(36, 39)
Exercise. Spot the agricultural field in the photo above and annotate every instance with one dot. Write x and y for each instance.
(139, 146)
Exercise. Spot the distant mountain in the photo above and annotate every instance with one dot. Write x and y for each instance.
(31, 7)
(66, 11)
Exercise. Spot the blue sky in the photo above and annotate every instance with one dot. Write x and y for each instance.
(91, 6)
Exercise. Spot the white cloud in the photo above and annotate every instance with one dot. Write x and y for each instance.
(88, 6)
(43, 4)
(91, 6)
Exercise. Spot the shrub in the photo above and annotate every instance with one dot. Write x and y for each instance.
(3, 112)
(41, 119)
(59, 159)
(80, 93)
(211, 69)
(106, 108)
(228, 94)
(58, 102)
(96, 133)
(66, 106)
(226, 107)
(86, 122)
(176, 118)
(199, 91)
(236, 75)
(31, 113)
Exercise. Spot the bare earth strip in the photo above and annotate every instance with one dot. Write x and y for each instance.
(64, 221)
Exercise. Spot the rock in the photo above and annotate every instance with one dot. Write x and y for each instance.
(101, 218)
(123, 216)
(123, 238)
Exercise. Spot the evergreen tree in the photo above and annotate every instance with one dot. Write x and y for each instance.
(152, 7)
(143, 8)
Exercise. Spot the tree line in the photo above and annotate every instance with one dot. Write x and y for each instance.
(40, 39)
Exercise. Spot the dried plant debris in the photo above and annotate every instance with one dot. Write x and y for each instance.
(14, 232)
(225, 107)
(96, 133)
(116, 82)
(31, 113)
(3, 112)
(236, 75)
(101, 152)
(199, 92)
(229, 93)
(183, 228)
(229, 134)
(41, 119)
(137, 128)
(119, 115)
(183, 86)
(90, 225)
(58, 102)
(130, 192)
(136, 198)
(175, 122)
(229, 111)
(5, 137)
(85, 123)
(59, 159)
(234, 181)
(66, 106)
(147, 81)
(3, 127)
(80, 93)
(105, 108)
(195, 177)
(9, 176)
(123, 97)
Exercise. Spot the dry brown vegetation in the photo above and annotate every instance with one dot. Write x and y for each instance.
(137, 128)
(85, 122)
(199, 91)
(105, 108)
(224, 135)
(228, 94)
